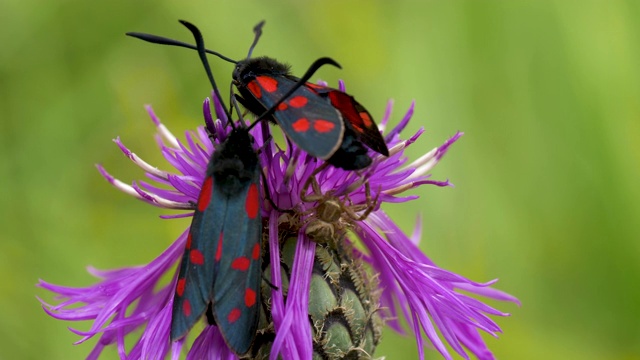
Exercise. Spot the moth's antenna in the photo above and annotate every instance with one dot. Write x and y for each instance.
(203, 57)
(312, 69)
(155, 39)
(257, 30)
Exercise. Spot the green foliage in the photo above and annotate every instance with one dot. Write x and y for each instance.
(546, 194)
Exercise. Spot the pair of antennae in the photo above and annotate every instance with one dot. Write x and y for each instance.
(257, 30)
(202, 51)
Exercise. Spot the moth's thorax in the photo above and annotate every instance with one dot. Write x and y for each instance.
(234, 162)
(247, 70)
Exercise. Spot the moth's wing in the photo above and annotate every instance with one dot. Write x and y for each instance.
(194, 287)
(238, 257)
(307, 119)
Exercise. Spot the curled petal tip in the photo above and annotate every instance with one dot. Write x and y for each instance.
(123, 148)
(105, 174)
(152, 115)
(442, 150)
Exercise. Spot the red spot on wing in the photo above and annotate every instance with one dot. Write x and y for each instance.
(249, 297)
(255, 254)
(298, 101)
(315, 86)
(282, 106)
(252, 203)
(323, 126)
(196, 257)
(342, 101)
(186, 308)
(349, 109)
(268, 83)
(254, 88)
(219, 249)
(366, 119)
(234, 315)
(180, 286)
(301, 125)
(188, 246)
(205, 194)
(240, 263)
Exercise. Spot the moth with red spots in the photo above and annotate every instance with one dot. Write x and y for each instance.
(220, 271)
(221, 265)
(325, 122)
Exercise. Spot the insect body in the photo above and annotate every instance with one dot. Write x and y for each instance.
(221, 264)
(220, 271)
(325, 122)
(332, 214)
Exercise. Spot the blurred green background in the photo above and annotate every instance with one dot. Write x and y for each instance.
(546, 196)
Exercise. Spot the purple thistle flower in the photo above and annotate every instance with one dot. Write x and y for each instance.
(128, 299)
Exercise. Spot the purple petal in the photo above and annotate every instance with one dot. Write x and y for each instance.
(294, 327)
(210, 345)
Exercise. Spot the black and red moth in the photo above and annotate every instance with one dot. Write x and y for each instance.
(221, 265)
(220, 271)
(325, 122)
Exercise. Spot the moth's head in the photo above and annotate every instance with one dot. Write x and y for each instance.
(247, 70)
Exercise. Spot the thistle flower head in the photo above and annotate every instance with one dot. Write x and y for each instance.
(338, 209)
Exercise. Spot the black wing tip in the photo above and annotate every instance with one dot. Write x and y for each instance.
(177, 333)
(382, 149)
